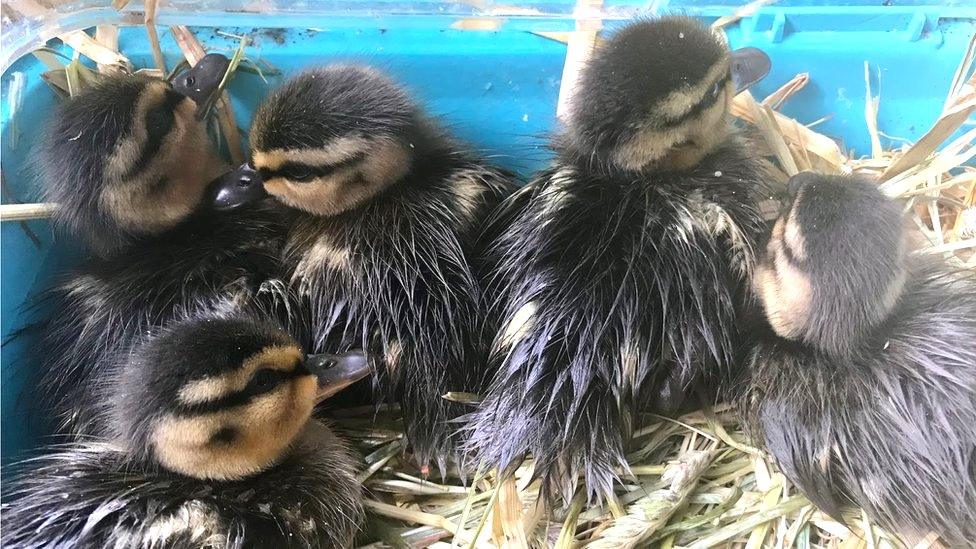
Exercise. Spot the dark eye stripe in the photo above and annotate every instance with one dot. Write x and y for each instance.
(705, 103)
(235, 399)
(314, 171)
(159, 122)
(787, 252)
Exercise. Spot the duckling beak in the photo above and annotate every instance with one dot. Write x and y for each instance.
(237, 188)
(799, 180)
(336, 372)
(201, 82)
(748, 66)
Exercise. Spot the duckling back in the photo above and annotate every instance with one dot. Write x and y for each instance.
(883, 421)
(93, 495)
(621, 271)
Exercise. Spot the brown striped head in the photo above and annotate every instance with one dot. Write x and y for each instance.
(834, 265)
(127, 158)
(221, 398)
(657, 94)
(331, 138)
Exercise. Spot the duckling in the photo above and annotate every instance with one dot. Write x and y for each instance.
(623, 267)
(129, 163)
(383, 250)
(210, 444)
(865, 388)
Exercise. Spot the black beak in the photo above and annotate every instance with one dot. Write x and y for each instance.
(201, 82)
(336, 372)
(237, 188)
(748, 66)
(799, 180)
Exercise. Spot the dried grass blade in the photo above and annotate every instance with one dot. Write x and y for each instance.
(108, 36)
(149, 19)
(409, 515)
(578, 50)
(776, 99)
(568, 532)
(871, 103)
(650, 513)
(748, 523)
(87, 46)
(817, 143)
(26, 212)
(769, 500)
(461, 397)
(944, 127)
(961, 86)
(507, 529)
(740, 12)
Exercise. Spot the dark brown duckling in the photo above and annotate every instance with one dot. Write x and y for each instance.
(623, 269)
(865, 389)
(384, 250)
(209, 443)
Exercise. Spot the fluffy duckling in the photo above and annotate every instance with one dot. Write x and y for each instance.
(211, 445)
(623, 267)
(866, 391)
(129, 163)
(383, 252)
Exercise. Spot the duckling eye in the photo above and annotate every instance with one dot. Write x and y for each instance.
(263, 381)
(298, 173)
(717, 89)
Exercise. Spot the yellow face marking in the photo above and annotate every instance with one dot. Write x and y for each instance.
(278, 357)
(173, 182)
(793, 234)
(262, 429)
(344, 189)
(680, 101)
(785, 290)
(468, 188)
(338, 150)
(681, 146)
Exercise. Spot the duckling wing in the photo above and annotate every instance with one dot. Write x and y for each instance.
(100, 309)
(613, 297)
(564, 289)
(94, 495)
(889, 428)
(399, 277)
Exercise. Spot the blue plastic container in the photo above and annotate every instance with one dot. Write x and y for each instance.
(495, 86)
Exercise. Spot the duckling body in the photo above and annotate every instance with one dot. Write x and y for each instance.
(129, 164)
(383, 253)
(211, 445)
(876, 407)
(622, 270)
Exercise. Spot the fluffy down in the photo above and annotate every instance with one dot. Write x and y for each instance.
(615, 294)
(93, 495)
(888, 426)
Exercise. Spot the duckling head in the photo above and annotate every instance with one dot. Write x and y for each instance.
(327, 141)
(130, 157)
(834, 266)
(222, 399)
(657, 94)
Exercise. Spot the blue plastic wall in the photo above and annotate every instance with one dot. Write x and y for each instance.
(497, 90)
